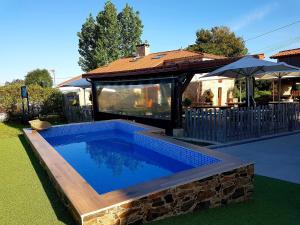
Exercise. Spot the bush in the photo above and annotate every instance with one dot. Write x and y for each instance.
(187, 102)
(42, 100)
(263, 97)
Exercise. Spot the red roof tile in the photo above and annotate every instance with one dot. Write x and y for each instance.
(152, 60)
(285, 53)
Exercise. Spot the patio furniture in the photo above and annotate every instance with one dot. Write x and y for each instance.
(249, 67)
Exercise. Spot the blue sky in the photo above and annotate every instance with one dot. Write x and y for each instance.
(42, 34)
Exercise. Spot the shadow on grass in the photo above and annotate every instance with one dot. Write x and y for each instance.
(60, 210)
(16, 125)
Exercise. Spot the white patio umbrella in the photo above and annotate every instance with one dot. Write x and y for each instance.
(279, 75)
(77, 82)
(81, 82)
(249, 67)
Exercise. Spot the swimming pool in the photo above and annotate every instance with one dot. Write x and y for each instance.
(120, 155)
(100, 167)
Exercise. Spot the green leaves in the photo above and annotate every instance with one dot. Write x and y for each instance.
(219, 41)
(39, 77)
(109, 36)
(131, 29)
(49, 99)
(87, 44)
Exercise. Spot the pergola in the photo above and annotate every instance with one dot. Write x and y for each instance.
(178, 74)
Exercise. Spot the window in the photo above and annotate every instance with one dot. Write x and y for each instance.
(141, 100)
(158, 56)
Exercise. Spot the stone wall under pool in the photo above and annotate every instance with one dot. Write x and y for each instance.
(215, 191)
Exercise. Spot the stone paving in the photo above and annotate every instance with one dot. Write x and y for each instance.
(276, 157)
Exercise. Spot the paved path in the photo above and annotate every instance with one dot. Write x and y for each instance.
(277, 157)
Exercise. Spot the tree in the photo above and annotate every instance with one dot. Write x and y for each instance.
(40, 77)
(219, 41)
(87, 44)
(109, 36)
(15, 81)
(131, 29)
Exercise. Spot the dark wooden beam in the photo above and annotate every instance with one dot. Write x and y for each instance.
(176, 104)
(188, 78)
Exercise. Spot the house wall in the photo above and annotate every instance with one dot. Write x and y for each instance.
(87, 96)
(292, 60)
(213, 85)
(195, 90)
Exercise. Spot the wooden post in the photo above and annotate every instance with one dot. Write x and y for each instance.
(176, 104)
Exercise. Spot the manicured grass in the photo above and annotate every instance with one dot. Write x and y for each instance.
(27, 196)
(8, 130)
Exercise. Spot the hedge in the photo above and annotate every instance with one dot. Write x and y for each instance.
(43, 100)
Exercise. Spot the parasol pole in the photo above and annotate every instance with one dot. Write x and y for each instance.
(273, 87)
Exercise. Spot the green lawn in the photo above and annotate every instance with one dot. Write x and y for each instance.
(27, 196)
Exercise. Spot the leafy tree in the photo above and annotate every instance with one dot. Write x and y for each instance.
(219, 41)
(40, 77)
(131, 30)
(87, 44)
(109, 36)
(15, 81)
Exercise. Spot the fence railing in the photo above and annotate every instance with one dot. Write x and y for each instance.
(241, 123)
(78, 113)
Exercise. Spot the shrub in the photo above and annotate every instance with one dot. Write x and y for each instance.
(187, 102)
(263, 97)
(42, 100)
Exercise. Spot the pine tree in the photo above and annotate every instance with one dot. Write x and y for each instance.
(131, 30)
(87, 45)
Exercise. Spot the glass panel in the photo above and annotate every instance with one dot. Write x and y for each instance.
(143, 100)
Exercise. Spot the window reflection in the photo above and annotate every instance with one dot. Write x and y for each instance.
(144, 100)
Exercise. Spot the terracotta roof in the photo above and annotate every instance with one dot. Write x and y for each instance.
(285, 53)
(187, 66)
(152, 60)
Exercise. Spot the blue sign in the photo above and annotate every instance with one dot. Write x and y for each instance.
(24, 93)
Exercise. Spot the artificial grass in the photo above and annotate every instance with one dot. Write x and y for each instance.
(27, 196)
(8, 130)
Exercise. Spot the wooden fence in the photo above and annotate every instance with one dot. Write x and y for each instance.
(240, 123)
(78, 113)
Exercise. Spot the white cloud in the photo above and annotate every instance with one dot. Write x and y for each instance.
(256, 15)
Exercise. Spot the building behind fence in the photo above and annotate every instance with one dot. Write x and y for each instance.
(240, 123)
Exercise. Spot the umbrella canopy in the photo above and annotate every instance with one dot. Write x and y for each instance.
(279, 75)
(249, 67)
(76, 82)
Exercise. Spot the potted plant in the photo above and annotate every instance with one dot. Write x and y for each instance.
(208, 96)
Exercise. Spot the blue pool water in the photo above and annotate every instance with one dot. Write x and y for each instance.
(115, 156)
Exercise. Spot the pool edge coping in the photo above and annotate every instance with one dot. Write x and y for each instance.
(99, 202)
